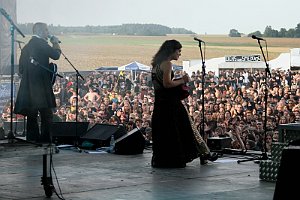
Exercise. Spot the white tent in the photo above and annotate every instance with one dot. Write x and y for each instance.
(215, 64)
(190, 66)
(107, 68)
(242, 65)
(282, 62)
(295, 57)
(134, 66)
(287, 61)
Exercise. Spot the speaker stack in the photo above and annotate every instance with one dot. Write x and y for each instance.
(100, 134)
(288, 174)
(68, 132)
(132, 142)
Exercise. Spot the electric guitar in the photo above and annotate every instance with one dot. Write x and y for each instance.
(52, 69)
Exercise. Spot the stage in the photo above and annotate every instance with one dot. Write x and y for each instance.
(90, 176)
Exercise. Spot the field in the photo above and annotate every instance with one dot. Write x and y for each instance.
(87, 52)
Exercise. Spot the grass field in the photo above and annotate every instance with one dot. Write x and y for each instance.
(87, 52)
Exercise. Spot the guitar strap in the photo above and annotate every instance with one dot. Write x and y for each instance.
(34, 62)
(53, 65)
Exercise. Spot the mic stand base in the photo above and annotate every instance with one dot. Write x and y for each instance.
(46, 179)
(263, 156)
(48, 186)
(74, 148)
(77, 149)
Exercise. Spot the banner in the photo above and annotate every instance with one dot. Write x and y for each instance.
(240, 58)
(5, 36)
(5, 92)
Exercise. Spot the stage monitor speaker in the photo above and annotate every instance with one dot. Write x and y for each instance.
(132, 142)
(295, 142)
(65, 132)
(288, 174)
(218, 143)
(100, 134)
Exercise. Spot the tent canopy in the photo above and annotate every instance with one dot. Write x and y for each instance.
(295, 57)
(242, 65)
(190, 66)
(282, 62)
(108, 68)
(134, 66)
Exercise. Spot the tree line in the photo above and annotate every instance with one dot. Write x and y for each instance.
(124, 29)
(154, 30)
(270, 32)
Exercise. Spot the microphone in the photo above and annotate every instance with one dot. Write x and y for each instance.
(257, 38)
(197, 39)
(51, 37)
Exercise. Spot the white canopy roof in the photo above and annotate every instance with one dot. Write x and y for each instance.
(284, 61)
(295, 57)
(241, 65)
(134, 66)
(190, 66)
(215, 64)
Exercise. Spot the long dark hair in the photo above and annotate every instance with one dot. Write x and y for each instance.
(166, 49)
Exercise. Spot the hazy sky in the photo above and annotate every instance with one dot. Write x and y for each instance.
(200, 16)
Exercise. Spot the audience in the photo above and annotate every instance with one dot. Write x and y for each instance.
(234, 103)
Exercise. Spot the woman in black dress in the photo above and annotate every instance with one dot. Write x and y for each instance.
(175, 140)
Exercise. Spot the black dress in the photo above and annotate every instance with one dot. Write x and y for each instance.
(174, 137)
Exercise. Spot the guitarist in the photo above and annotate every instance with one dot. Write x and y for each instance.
(35, 96)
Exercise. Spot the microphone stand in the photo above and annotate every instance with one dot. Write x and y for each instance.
(202, 132)
(264, 155)
(76, 105)
(24, 117)
(11, 136)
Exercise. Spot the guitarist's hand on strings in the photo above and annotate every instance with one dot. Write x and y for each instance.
(186, 78)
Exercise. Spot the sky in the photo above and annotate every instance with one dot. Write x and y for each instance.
(199, 16)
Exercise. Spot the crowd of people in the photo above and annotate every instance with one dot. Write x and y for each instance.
(234, 103)
(246, 105)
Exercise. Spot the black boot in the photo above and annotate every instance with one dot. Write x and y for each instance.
(211, 157)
